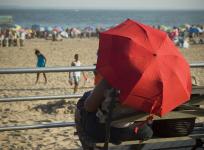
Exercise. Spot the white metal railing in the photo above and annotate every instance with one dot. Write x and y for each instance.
(50, 69)
(34, 98)
(65, 69)
(197, 64)
(38, 126)
(47, 69)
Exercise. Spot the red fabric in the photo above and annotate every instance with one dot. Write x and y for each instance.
(172, 35)
(145, 65)
(97, 78)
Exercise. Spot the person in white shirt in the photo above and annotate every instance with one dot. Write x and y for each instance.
(186, 44)
(22, 38)
(75, 76)
(1, 39)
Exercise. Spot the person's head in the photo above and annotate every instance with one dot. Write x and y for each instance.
(37, 52)
(76, 57)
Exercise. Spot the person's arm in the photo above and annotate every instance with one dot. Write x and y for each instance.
(45, 59)
(97, 96)
(72, 64)
(84, 75)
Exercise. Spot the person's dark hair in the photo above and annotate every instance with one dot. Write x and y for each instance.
(37, 51)
(76, 56)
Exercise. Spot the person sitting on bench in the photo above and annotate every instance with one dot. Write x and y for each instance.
(91, 126)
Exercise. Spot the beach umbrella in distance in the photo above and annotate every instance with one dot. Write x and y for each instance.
(145, 66)
(48, 29)
(42, 29)
(182, 27)
(58, 29)
(16, 27)
(187, 25)
(89, 29)
(21, 30)
(100, 29)
(193, 30)
(75, 30)
(35, 27)
(64, 34)
(199, 30)
(28, 31)
(165, 28)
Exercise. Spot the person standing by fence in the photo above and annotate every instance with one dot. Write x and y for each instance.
(41, 61)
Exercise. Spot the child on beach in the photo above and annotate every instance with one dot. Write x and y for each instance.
(41, 61)
(75, 76)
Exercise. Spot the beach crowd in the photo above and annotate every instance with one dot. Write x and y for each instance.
(10, 38)
(182, 36)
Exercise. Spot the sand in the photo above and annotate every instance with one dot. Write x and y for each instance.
(57, 54)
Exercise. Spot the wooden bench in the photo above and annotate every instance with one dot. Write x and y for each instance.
(191, 109)
(197, 135)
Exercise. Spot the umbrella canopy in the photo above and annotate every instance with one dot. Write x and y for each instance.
(64, 34)
(75, 31)
(35, 27)
(100, 29)
(145, 65)
(16, 27)
(200, 30)
(165, 28)
(89, 29)
(28, 31)
(193, 30)
(48, 29)
(58, 29)
(21, 30)
(42, 29)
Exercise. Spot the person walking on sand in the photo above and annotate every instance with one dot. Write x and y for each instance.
(41, 61)
(75, 76)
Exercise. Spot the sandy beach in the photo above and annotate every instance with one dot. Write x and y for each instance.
(57, 54)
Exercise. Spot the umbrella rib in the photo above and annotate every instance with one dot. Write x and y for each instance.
(163, 42)
(175, 73)
(142, 97)
(147, 49)
(147, 97)
(160, 75)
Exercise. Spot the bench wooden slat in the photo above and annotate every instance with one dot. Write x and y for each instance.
(186, 111)
(181, 112)
(152, 141)
(193, 135)
(140, 116)
(198, 90)
(199, 100)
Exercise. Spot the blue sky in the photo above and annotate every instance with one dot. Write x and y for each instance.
(105, 4)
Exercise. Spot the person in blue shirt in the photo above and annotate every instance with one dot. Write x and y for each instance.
(41, 61)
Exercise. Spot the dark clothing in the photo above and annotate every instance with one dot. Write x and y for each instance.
(96, 130)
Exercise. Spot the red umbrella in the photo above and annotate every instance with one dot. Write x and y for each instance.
(147, 68)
